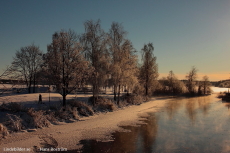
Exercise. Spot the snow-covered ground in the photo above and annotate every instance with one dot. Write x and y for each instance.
(67, 135)
(48, 99)
(218, 90)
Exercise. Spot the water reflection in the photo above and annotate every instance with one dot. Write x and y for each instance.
(227, 105)
(148, 134)
(139, 140)
(191, 109)
(192, 106)
(186, 125)
(172, 107)
(204, 104)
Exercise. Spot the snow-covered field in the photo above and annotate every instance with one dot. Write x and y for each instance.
(56, 97)
(33, 97)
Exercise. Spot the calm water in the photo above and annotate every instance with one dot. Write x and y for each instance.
(185, 125)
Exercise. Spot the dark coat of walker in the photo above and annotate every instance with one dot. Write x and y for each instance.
(40, 99)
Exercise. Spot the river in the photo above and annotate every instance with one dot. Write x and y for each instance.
(196, 125)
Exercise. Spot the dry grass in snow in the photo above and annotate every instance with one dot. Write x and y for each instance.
(39, 118)
(83, 108)
(105, 104)
(14, 123)
(3, 131)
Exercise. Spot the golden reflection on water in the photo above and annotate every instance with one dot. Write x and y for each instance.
(172, 106)
(191, 109)
(198, 124)
(192, 106)
(204, 104)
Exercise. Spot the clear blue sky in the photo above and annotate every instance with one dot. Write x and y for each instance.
(185, 33)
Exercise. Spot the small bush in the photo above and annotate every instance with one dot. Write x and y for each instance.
(14, 123)
(62, 114)
(82, 107)
(132, 99)
(123, 103)
(67, 113)
(97, 100)
(75, 114)
(104, 104)
(39, 118)
(3, 131)
(50, 115)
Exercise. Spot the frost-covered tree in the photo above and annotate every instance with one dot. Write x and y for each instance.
(149, 69)
(65, 63)
(116, 38)
(129, 66)
(204, 86)
(123, 63)
(27, 63)
(175, 86)
(94, 42)
(191, 80)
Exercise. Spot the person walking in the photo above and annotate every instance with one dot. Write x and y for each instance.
(40, 99)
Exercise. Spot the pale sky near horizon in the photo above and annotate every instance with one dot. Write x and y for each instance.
(184, 33)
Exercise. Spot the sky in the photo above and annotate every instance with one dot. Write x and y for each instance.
(184, 33)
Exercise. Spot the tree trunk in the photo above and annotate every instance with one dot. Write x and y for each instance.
(146, 85)
(118, 100)
(94, 94)
(63, 81)
(115, 94)
(64, 97)
(29, 87)
(34, 84)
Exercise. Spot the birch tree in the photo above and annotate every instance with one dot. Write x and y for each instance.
(149, 70)
(65, 63)
(116, 38)
(124, 69)
(123, 60)
(94, 42)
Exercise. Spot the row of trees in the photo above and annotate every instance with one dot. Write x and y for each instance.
(191, 85)
(98, 58)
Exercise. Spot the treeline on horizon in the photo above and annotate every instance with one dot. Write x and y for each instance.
(100, 59)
